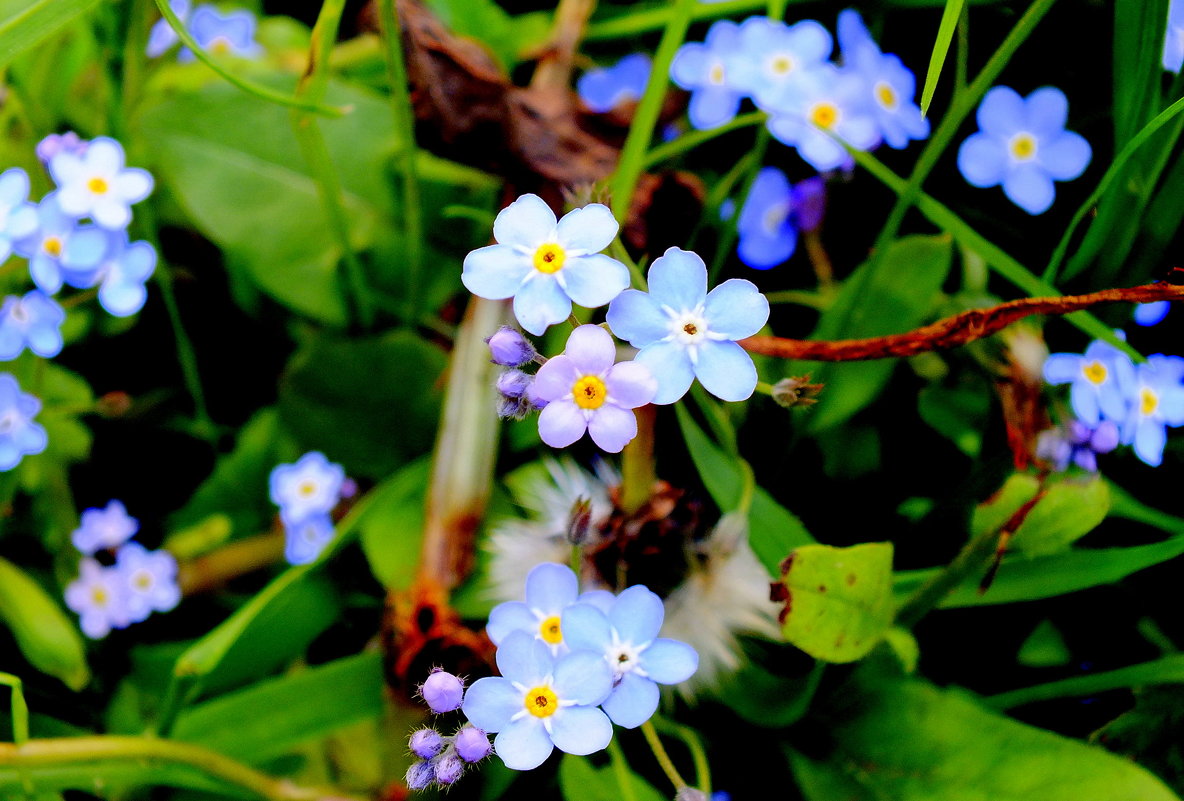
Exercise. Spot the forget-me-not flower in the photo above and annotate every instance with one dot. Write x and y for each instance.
(19, 435)
(18, 217)
(585, 391)
(58, 242)
(775, 56)
(218, 33)
(541, 702)
(1155, 397)
(1173, 43)
(685, 332)
(68, 142)
(99, 597)
(304, 539)
(106, 528)
(150, 580)
(1077, 443)
(766, 228)
(1024, 146)
(33, 321)
(162, 36)
(627, 638)
(545, 265)
(1152, 313)
(311, 486)
(889, 85)
(550, 588)
(96, 184)
(704, 70)
(604, 88)
(1098, 379)
(826, 103)
(121, 274)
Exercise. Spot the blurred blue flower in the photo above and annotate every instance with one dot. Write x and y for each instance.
(1173, 43)
(162, 36)
(541, 702)
(775, 56)
(69, 142)
(18, 217)
(99, 597)
(1023, 145)
(1098, 381)
(306, 537)
(1152, 313)
(149, 578)
(704, 70)
(1156, 400)
(545, 265)
(685, 332)
(604, 88)
(827, 103)
(585, 391)
(103, 529)
(120, 274)
(627, 638)
(96, 183)
(1077, 443)
(766, 228)
(218, 33)
(889, 85)
(19, 435)
(33, 321)
(58, 242)
(310, 487)
(809, 203)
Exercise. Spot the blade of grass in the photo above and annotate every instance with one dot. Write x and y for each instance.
(941, 46)
(1165, 670)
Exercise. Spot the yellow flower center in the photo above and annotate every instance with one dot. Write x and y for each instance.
(220, 45)
(716, 74)
(143, 580)
(99, 596)
(824, 115)
(1148, 401)
(541, 702)
(549, 258)
(589, 392)
(52, 245)
(886, 95)
(307, 488)
(781, 65)
(98, 185)
(1095, 372)
(550, 632)
(1023, 146)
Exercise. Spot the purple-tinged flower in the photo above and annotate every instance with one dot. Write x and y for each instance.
(1098, 380)
(18, 217)
(59, 243)
(627, 639)
(420, 775)
(513, 383)
(550, 588)
(121, 274)
(766, 226)
(69, 142)
(1147, 314)
(310, 487)
(889, 85)
(1173, 43)
(826, 103)
(104, 529)
(98, 596)
(448, 766)
(442, 691)
(162, 36)
(508, 348)
(19, 435)
(586, 391)
(426, 743)
(304, 539)
(1155, 397)
(1024, 146)
(545, 265)
(218, 33)
(809, 203)
(472, 744)
(96, 184)
(685, 332)
(604, 88)
(1077, 443)
(773, 58)
(33, 321)
(150, 580)
(541, 703)
(703, 69)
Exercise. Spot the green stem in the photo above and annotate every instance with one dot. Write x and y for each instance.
(638, 470)
(801, 298)
(1166, 670)
(694, 744)
(973, 557)
(20, 709)
(651, 737)
(621, 771)
(637, 22)
(641, 130)
(775, 9)
(693, 139)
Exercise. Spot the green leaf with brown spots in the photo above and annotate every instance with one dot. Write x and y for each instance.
(838, 602)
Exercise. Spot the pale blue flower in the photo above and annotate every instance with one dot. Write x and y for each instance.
(1152, 313)
(120, 274)
(604, 88)
(773, 58)
(306, 537)
(545, 265)
(19, 435)
(69, 142)
(703, 70)
(219, 33)
(99, 597)
(162, 36)
(1077, 443)
(889, 85)
(627, 638)
(18, 217)
(550, 588)
(684, 332)
(1155, 397)
(541, 703)
(827, 105)
(1024, 146)
(311, 486)
(585, 391)
(1173, 43)
(150, 580)
(766, 227)
(1098, 380)
(59, 243)
(104, 529)
(96, 184)
(33, 321)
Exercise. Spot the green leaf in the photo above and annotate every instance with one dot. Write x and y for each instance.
(887, 296)
(839, 602)
(771, 691)
(1149, 734)
(1165, 670)
(1044, 647)
(25, 24)
(1139, 28)
(579, 780)
(507, 37)
(906, 740)
(46, 637)
(993, 513)
(941, 46)
(1069, 510)
(957, 413)
(391, 530)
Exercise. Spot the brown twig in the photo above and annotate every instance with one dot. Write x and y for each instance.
(952, 332)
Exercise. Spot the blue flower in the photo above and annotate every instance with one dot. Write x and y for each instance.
(809, 203)
(1098, 380)
(604, 88)
(18, 217)
(306, 537)
(120, 274)
(627, 638)
(545, 265)
(550, 588)
(704, 70)
(311, 486)
(1077, 443)
(150, 580)
(889, 85)
(826, 103)
(58, 242)
(540, 703)
(776, 56)
(766, 226)
(162, 36)
(99, 598)
(684, 332)
(1152, 313)
(1173, 43)
(96, 184)
(1023, 145)
(1156, 400)
(103, 529)
(232, 32)
(34, 321)
(19, 435)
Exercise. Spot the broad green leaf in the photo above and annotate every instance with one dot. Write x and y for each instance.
(508, 37)
(1044, 647)
(46, 637)
(941, 46)
(1069, 510)
(24, 24)
(391, 531)
(887, 296)
(579, 780)
(773, 530)
(773, 687)
(839, 602)
(993, 513)
(906, 740)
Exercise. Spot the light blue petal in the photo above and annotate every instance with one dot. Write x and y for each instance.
(525, 223)
(1152, 313)
(600, 90)
(637, 615)
(982, 160)
(1046, 111)
(45, 340)
(32, 439)
(490, 703)
(122, 298)
(22, 221)
(1030, 188)
(671, 367)
(1002, 112)
(760, 251)
(678, 279)
(630, 385)
(561, 423)
(1171, 407)
(583, 677)
(45, 273)
(712, 106)
(524, 744)
(587, 230)
(1065, 156)
(690, 65)
(601, 599)
(591, 349)
(581, 730)
(736, 309)
(669, 661)
(540, 303)
(10, 457)
(633, 702)
(820, 151)
(612, 428)
(551, 588)
(84, 248)
(726, 371)
(594, 280)
(1150, 438)
(1112, 401)
(555, 378)
(585, 626)
(507, 617)
(14, 187)
(1062, 368)
(852, 33)
(635, 317)
(495, 272)
(11, 342)
(770, 188)
(1084, 401)
(524, 658)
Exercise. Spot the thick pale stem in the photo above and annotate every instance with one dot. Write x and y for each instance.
(638, 471)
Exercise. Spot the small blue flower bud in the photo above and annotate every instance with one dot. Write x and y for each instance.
(510, 348)
(513, 383)
(426, 743)
(448, 767)
(420, 775)
(442, 691)
(472, 744)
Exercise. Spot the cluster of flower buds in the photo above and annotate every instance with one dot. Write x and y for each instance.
(510, 349)
(442, 759)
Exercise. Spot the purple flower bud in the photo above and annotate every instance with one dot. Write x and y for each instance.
(513, 408)
(510, 348)
(448, 767)
(472, 744)
(1105, 437)
(426, 743)
(420, 775)
(513, 383)
(443, 692)
(53, 144)
(809, 203)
